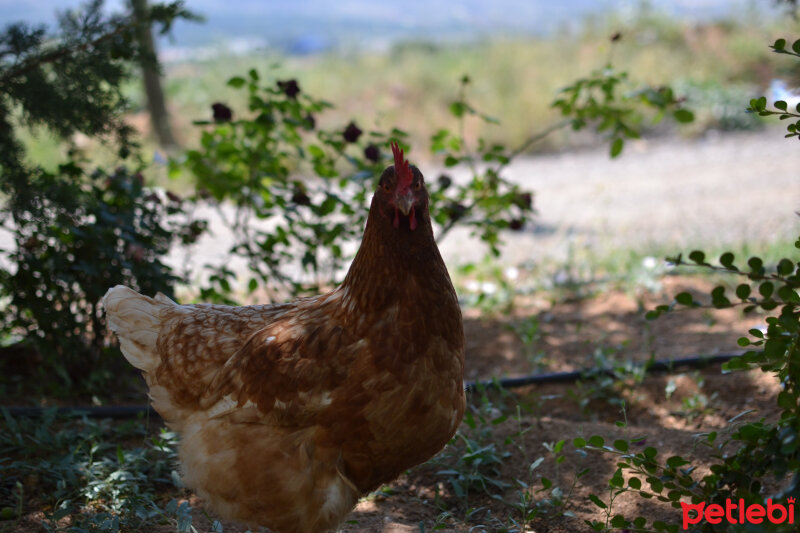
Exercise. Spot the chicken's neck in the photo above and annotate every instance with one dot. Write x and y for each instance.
(395, 264)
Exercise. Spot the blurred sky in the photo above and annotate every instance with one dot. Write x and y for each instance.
(306, 26)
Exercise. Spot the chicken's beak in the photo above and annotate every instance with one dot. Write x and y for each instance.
(405, 201)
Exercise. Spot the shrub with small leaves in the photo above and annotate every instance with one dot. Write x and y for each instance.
(754, 461)
(606, 101)
(759, 105)
(313, 186)
(79, 236)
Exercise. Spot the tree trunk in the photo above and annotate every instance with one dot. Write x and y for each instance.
(159, 119)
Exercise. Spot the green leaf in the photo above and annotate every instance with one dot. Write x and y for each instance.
(766, 289)
(684, 298)
(756, 265)
(785, 267)
(698, 257)
(786, 401)
(617, 480)
(676, 461)
(619, 521)
(315, 151)
(743, 291)
(597, 501)
(726, 260)
(635, 483)
(780, 104)
(796, 46)
(579, 442)
(780, 44)
(457, 109)
(616, 147)
(596, 441)
(236, 82)
(683, 116)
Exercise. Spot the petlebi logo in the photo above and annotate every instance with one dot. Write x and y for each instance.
(738, 513)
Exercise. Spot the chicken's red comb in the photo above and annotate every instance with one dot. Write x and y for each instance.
(401, 168)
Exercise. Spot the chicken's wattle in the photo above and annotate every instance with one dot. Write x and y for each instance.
(412, 219)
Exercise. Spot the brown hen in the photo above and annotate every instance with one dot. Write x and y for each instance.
(289, 413)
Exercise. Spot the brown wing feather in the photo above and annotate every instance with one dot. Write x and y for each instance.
(287, 373)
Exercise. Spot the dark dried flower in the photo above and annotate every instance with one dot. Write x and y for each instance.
(352, 133)
(174, 197)
(456, 210)
(373, 153)
(300, 197)
(290, 88)
(516, 224)
(524, 201)
(311, 122)
(222, 113)
(445, 181)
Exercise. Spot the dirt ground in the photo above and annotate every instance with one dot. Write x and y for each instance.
(658, 192)
(570, 333)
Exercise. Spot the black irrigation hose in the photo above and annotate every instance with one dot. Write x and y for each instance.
(697, 361)
(131, 411)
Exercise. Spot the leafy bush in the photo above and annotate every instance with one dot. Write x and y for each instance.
(608, 101)
(75, 234)
(754, 461)
(313, 185)
(79, 236)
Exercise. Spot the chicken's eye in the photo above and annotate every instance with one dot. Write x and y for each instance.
(417, 185)
(386, 187)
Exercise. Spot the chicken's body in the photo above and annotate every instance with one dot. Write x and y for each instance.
(288, 413)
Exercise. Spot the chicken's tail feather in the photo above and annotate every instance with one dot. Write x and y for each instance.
(136, 319)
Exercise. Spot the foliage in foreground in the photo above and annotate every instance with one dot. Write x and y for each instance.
(754, 461)
(86, 476)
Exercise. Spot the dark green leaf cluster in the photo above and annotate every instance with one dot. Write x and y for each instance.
(647, 475)
(781, 108)
(755, 455)
(474, 454)
(76, 232)
(606, 102)
(69, 82)
(79, 235)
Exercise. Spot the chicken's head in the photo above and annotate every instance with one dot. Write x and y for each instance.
(401, 194)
